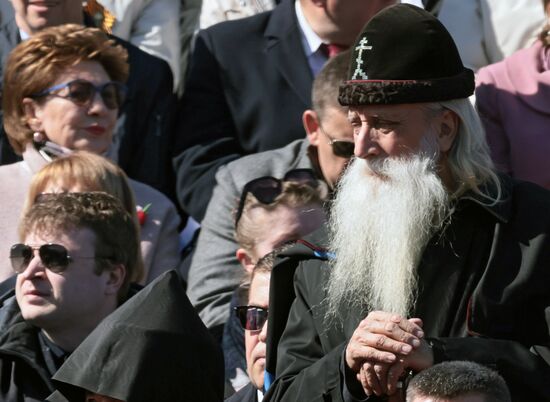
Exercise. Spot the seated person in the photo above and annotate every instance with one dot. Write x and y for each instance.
(458, 381)
(143, 136)
(63, 89)
(214, 272)
(76, 254)
(271, 212)
(154, 348)
(253, 316)
(83, 171)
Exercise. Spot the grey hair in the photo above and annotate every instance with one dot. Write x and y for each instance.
(469, 159)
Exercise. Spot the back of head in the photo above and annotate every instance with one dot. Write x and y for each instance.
(293, 195)
(83, 171)
(324, 93)
(36, 63)
(454, 379)
(115, 230)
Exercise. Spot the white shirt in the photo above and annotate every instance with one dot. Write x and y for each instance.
(310, 42)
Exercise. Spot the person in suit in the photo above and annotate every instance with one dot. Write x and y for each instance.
(215, 271)
(253, 318)
(433, 255)
(249, 83)
(142, 140)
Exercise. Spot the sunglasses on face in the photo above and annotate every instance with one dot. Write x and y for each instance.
(82, 93)
(55, 257)
(266, 189)
(341, 148)
(251, 318)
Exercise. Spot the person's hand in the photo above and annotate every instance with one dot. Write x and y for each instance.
(382, 379)
(380, 340)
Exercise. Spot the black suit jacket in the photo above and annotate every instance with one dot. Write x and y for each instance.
(145, 129)
(248, 85)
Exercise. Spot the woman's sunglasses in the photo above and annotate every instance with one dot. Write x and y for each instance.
(266, 189)
(55, 257)
(252, 318)
(82, 93)
(341, 148)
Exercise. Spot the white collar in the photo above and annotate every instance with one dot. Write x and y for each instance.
(260, 395)
(310, 38)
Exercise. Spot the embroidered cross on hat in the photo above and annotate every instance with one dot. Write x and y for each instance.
(405, 55)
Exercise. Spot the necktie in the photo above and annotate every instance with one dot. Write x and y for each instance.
(331, 49)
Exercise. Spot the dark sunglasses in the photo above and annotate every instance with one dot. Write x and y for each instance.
(55, 257)
(341, 148)
(82, 93)
(252, 318)
(266, 189)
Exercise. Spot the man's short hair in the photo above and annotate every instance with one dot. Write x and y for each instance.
(115, 230)
(456, 378)
(324, 93)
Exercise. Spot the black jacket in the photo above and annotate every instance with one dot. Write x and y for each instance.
(483, 296)
(145, 128)
(24, 375)
(248, 85)
(154, 348)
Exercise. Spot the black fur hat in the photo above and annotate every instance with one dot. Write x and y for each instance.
(405, 55)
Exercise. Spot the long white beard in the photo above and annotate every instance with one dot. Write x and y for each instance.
(384, 214)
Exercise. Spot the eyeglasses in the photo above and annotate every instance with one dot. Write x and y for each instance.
(55, 257)
(266, 189)
(341, 148)
(252, 318)
(82, 93)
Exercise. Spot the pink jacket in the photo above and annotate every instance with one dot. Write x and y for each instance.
(159, 234)
(513, 99)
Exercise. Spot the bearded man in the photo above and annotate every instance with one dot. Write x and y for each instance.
(437, 257)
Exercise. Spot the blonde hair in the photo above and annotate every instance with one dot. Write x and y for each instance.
(90, 172)
(36, 63)
(293, 195)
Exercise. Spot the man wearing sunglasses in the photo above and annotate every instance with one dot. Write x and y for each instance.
(215, 272)
(436, 257)
(77, 253)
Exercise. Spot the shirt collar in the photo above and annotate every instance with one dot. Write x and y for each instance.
(310, 39)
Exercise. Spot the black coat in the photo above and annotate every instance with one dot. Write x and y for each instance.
(145, 128)
(483, 296)
(154, 348)
(248, 85)
(24, 375)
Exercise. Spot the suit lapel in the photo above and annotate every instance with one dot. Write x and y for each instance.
(284, 49)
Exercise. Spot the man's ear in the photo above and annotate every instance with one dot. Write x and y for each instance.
(32, 113)
(117, 273)
(310, 119)
(447, 130)
(245, 260)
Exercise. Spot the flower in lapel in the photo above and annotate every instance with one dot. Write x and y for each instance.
(142, 213)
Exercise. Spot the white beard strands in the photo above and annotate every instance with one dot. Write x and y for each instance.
(384, 214)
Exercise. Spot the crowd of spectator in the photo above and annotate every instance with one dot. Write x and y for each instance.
(274, 200)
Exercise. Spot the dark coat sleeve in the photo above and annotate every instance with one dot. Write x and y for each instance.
(306, 371)
(145, 128)
(206, 131)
